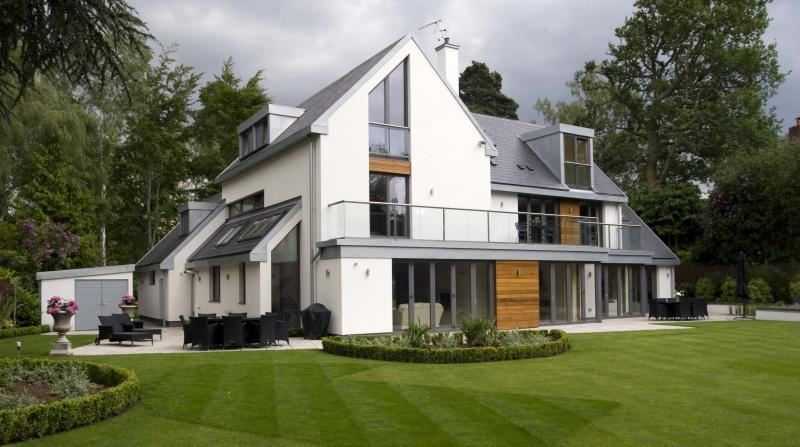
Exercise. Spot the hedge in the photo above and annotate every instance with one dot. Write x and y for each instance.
(39, 420)
(20, 331)
(560, 344)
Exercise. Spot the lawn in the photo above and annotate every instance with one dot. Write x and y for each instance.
(722, 383)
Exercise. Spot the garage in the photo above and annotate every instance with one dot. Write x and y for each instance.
(97, 291)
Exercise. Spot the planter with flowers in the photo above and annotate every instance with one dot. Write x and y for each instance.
(129, 304)
(62, 311)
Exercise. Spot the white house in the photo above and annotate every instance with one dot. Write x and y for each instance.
(382, 197)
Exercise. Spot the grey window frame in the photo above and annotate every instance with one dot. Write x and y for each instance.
(385, 125)
(215, 288)
(242, 283)
(573, 164)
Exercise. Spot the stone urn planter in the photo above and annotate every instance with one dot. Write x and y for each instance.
(129, 310)
(62, 324)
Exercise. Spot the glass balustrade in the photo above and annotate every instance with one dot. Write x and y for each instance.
(350, 219)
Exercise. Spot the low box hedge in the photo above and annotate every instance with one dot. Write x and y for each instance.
(40, 420)
(558, 345)
(20, 331)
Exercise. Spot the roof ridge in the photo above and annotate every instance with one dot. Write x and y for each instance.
(509, 119)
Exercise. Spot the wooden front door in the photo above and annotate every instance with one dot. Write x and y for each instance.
(517, 294)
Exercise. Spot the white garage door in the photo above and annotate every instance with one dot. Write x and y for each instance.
(97, 297)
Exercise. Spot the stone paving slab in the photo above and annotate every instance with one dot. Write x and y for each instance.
(173, 344)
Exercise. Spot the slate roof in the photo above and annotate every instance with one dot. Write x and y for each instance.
(315, 106)
(163, 248)
(173, 239)
(511, 166)
(649, 240)
(235, 246)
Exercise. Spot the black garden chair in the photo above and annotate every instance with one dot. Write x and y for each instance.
(187, 331)
(203, 332)
(110, 329)
(266, 334)
(282, 330)
(685, 309)
(233, 331)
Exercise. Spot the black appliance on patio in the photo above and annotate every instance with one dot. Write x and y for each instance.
(315, 321)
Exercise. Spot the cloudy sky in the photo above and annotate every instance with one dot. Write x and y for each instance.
(302, 45)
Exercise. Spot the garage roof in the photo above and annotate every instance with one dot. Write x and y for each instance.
(92, 271)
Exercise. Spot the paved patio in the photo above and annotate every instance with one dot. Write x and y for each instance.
(173, 343)
(173, 337)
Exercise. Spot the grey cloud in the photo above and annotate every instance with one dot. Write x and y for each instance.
(303, 45)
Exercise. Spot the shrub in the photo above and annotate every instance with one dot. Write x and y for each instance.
(477, 331)
(416, 335)
(40, 420)
(29, 312)
(727, 290)
(20, 331)
(448, 340)
(556, 343)
(794, 288)
(759, 291)
(686, 289)
(705, 288)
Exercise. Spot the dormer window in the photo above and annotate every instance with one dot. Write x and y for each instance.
(388, 115)
(577, 162)
(264, 127)
(247, 143)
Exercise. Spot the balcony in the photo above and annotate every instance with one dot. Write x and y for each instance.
(353, 219)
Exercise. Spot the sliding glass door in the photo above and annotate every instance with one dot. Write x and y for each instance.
(439, 293)
(563, 293)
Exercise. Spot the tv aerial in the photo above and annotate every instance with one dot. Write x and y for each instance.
(438, 32)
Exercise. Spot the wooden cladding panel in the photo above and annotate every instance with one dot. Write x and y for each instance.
(570, 229)
(389, 165)
(517, 294)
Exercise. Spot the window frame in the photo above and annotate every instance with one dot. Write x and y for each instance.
(385, 126)
(574, 164)
(390, 230)
(232, 208)
(242, 283)
(151, 277)
(215, 294)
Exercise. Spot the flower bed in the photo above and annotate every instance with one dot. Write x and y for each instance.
(450, 347)
(20, 331)
(42, 397)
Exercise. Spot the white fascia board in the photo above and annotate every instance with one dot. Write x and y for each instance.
(91, 271)
(259, 253)
(490, 149)
(275, 109)
(567, 194)
(558, 128)
(169, 262)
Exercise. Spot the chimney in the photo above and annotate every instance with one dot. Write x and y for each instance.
(794, 132)
(447, 62)
(192, 213)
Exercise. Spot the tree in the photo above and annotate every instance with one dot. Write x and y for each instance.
(754, 207)
(225, 103)
(79, 40)
(481, 92)
(686, 86)
(674, 212)
(48, 173)
(150, 170)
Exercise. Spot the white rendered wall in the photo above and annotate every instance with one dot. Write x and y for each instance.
(148, 295)
(179, 298)
(329, 291)
(589, 283)
(665, 280)
(449, 167)
(283, 177)
(358, 291)
(65, 288)
(503, 225)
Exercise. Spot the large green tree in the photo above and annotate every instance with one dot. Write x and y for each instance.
(674, 212)
(755, 207)
(81, 41)
(224, 104)
(685, 87)
(480, 89)
(150, 171)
